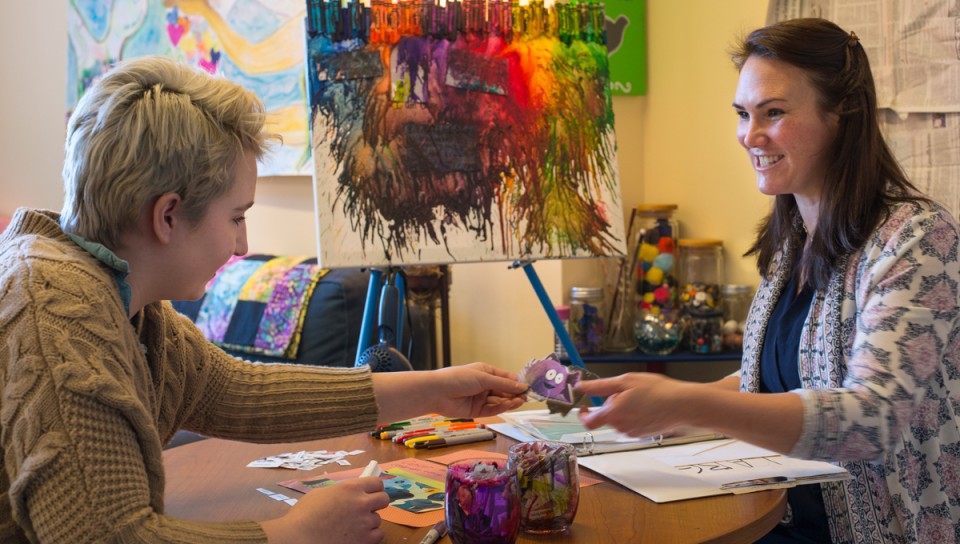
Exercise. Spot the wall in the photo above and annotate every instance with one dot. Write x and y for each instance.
(676, 144)
(692, 157)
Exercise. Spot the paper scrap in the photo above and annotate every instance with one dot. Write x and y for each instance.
(304, 460)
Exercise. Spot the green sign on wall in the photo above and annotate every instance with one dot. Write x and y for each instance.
(627, 46)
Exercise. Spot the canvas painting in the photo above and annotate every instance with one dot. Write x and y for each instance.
(627, 46)
(461, 132)
(256, 43)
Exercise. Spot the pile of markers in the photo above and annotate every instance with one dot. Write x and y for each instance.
(433, 431)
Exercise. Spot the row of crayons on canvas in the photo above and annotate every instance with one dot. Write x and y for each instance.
(386, 21)
(433, 431)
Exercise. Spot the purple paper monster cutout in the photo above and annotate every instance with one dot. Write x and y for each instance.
(549, 379)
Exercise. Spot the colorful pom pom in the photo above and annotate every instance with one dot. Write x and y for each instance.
(665, 245)
(664, 261)
(662, 294)
(654, 275)
(648, 252)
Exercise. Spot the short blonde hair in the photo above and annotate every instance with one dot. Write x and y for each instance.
(152, 126)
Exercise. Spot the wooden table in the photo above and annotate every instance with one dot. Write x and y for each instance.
(209, 480)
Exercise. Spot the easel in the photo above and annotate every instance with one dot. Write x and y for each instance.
(423, 305)
(369, 323)
(376, 278)
(558, 327)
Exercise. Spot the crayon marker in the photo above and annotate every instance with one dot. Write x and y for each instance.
(400, 437)
(388, 433)
(421, 419)
(449, 436)
(419, 434)
(421, 423)
(454, 440)
(435, 533)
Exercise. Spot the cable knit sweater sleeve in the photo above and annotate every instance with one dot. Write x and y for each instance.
(229, 398)
(86, 400)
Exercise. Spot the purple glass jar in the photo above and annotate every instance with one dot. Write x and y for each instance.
(482, 502)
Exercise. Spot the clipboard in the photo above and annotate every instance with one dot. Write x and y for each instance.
(780, 482)
(589, 446)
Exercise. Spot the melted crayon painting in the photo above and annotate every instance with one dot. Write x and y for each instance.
(461, 132)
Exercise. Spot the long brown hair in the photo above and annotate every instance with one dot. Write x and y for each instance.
(863, 177)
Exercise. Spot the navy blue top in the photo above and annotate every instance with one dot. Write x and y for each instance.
(780, 372)
(779, 361)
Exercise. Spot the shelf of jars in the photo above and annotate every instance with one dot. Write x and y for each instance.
(665, 301)
(679, 356)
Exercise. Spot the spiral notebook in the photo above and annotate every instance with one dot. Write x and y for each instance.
(542, 425)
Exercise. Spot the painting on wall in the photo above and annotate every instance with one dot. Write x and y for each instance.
(466, 131)
(257, 43)
(627, 46)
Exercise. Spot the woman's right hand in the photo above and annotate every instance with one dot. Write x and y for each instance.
(638, 403)
(345, 512)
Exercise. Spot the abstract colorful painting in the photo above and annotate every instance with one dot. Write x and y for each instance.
(258, 44)
(461, 132)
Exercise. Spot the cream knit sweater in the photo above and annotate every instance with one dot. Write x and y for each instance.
(89, 398)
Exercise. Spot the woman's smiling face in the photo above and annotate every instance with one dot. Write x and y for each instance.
(783, 128)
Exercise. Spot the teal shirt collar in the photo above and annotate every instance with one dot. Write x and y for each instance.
(120, 267)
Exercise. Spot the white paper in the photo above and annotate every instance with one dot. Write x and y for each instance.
(687, 471)
(303, 460)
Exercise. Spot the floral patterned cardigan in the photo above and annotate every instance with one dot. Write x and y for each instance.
(880, 367)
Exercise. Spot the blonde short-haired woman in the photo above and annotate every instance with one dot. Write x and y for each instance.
(98, 371)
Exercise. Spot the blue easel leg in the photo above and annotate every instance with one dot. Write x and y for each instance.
(369, 313)
(555, 321)
(401, 307)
